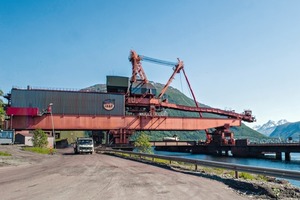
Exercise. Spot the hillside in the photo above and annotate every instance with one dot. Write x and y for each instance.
(287, 130)
(175, 96)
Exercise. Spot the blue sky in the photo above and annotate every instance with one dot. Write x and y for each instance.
(237, 54)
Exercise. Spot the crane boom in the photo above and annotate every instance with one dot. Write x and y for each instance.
(177, 69)
(147, 102)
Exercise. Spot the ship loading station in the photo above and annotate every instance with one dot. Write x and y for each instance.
(130, 104)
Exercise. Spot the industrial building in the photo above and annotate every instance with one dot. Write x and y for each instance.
(130, 104)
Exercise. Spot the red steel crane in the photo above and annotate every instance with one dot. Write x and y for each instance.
(154, 104)
(120, 112)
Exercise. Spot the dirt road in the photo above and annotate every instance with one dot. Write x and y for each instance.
(97, 176)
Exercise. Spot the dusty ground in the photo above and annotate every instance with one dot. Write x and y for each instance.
(64, 175)
(27, 175)
(254, 189)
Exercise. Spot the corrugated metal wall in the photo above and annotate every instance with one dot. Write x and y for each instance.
(117, 84)
(117, 81)
(69, 102)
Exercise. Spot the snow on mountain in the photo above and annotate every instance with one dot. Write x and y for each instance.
(287, 130)
(281, 122)
(256, 127)
(269, 127)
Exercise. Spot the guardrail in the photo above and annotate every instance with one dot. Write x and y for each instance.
(279, 173)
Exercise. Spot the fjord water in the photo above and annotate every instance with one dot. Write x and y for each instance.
(294, 164)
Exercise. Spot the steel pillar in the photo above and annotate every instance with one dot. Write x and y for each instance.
(278, 156)
(287, 156)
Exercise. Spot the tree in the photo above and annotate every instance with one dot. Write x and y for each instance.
(40, 138)
(142, 143)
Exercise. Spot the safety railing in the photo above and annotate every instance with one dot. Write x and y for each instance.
(278, 173)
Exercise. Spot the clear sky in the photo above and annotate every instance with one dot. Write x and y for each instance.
(238, 54)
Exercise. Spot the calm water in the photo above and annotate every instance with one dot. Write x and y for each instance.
(294, 164)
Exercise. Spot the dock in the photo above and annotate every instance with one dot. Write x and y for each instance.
(242, 148)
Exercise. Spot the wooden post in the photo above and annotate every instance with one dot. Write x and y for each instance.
(236, 174)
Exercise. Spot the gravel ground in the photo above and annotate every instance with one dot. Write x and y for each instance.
(26, 175)
(271, 189)
(253, 189)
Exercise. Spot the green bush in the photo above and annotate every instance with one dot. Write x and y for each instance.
(142, 143)
(40, 138)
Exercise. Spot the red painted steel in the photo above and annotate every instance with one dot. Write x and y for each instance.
(136, 101)
(69, 122)
(151, 104)
(89, 111)
(17, 111)
(137, 68)
(177, 69)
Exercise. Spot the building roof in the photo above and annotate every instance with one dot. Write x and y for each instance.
(24, 134)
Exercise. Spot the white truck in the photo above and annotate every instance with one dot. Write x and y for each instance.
(84, 145)
(171, 139)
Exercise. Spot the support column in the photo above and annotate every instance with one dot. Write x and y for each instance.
(226, 153)
(107, 138)
(278, 156)
(219, 152)
(287, 156)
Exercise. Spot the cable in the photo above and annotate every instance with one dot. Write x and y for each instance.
(157, 61)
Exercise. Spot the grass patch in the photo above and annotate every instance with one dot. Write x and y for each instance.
(39, 150)
(246, 176)
(161, 161)
(4, 153)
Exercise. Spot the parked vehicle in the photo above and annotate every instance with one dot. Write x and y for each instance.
(170, 139)
(7, 136)
(84, 145)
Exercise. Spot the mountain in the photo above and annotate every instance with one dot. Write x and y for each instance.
(96, 88)
(175, 96)
(287, 130)
(269, 127)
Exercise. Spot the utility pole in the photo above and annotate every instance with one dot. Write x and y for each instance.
(53, 132)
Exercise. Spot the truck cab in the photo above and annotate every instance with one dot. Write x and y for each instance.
(84, 145)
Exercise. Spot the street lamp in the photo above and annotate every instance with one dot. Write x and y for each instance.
(53, 133)
(11, 121)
